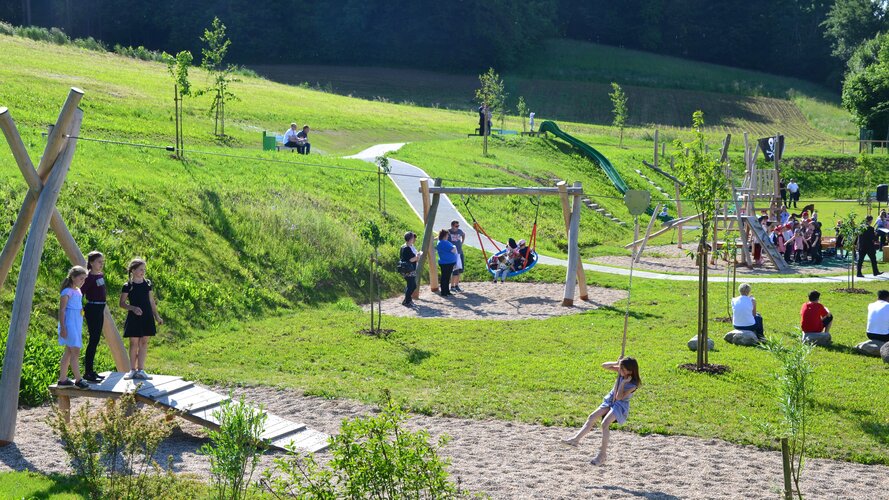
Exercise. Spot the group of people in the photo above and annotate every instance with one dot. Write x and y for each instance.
(814, 316)
(515, 257)
(450, 261)
(797, 238)
(298, 139)
(792, 188)
(137, 297)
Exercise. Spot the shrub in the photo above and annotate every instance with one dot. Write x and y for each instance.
(112, 451)
(34, 33)
(6, 28)
(40, 368)
(235, 448)
(90, 43)
(58, 37)
(373, 457)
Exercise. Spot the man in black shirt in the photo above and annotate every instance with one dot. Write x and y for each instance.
(302, 145)
(867, 245)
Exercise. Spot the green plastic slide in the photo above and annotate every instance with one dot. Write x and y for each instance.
(596, 156)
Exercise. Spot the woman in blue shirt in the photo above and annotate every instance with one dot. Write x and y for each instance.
(447, 257)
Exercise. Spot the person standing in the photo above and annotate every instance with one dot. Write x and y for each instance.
(302, 141)
(867, 245)
(71, 327)
(793, 189)
(482, 119)
(94, 291)
(456, 236)
(137, 297)
(409, 253)
(782, 188)
(447, 257)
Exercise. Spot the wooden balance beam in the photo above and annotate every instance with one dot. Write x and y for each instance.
(190, 402)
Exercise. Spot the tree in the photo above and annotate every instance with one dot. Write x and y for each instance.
(212, 55)
(704, 185)
(849, 228)
(619, 109)
(851, 22)
(522, 110)
(372, 234)
(866, 88)
(492, 95)
(178, 68)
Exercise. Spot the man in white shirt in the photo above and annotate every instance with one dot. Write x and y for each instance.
(878, 318)
(793, 188)
(290, 139)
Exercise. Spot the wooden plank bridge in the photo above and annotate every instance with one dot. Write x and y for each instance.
(193, 403)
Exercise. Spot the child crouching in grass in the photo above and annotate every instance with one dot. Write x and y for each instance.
(71, 327)
(615, 407)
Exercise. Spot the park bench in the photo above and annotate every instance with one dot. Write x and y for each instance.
(498, 131)
(273, 142)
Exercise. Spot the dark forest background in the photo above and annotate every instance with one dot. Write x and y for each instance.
(786, 37)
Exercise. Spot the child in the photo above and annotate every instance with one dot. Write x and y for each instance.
(788, 246)
(613, 408)
(839, 240)
(815, 243)
(141, 315)
(94, 290)
(503, 269)
(71, 327)
(798, 243)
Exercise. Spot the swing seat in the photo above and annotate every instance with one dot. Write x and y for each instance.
(531, 263)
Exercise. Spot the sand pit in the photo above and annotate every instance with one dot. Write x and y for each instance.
(514, 460)
(501, 301)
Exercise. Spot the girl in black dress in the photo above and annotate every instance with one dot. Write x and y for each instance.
(138, 299)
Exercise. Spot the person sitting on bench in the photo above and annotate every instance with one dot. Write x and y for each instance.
(290, 137)
(302, 141)
(878, 318)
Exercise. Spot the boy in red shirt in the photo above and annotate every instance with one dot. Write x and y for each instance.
(815, 317)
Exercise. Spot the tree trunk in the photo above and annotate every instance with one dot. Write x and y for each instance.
(370, 294)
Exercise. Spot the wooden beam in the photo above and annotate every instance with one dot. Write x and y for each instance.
(657, 210)
(428, 239)
(573, 254)
(56, 140)
(502, 191)
(24, 293)
(566, 214)
(667, 226)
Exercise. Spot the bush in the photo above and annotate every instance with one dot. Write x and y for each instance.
(40, 368)
(112, 451)
(373, 457)
(90, 43)
(235, 448)
(139, 52)
(34, 33)
(6, 28)
(58, 37)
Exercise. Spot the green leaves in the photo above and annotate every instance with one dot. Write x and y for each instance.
(619, 109)
(235, 449)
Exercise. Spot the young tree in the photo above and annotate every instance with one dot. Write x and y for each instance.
(619, 109)
(178, 68)
(849, 229)
(522, 110)
(371, 233)
(492, 95)
(705, 184)
(212, 56)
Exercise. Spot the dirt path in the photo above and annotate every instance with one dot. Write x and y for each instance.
(515, 460)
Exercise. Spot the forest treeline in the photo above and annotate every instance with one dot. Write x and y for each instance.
(808, 39)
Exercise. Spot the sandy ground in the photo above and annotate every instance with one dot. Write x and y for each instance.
(514, 460)
(671, 259)
(501, 301)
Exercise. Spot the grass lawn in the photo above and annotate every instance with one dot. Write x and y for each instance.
(547, 371)
(32, 485)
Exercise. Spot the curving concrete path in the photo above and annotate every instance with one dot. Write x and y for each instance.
(407, 180)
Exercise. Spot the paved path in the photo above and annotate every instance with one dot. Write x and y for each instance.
(406, 178)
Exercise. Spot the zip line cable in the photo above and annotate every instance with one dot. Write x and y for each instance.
(370, 172)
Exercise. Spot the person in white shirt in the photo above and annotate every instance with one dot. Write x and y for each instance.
(290, 139)
(744, 315)
(878, 318)
(793, 188)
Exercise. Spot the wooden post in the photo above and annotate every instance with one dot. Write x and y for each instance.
(566, 213)
(24, 293)
(655, 147)
(64, 404)
(573, 254)
(56, 139)
(428, 236)
(66, 240)
(785, 461)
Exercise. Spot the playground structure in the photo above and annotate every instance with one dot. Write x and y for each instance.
(575, 276)
(37, 215)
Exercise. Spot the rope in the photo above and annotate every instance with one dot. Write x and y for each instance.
(623, 346)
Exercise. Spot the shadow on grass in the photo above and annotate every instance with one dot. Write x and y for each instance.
(842, 348)
(633, 314)
(879, 431)
(652, 495)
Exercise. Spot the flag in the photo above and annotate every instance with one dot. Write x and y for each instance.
(767, 145)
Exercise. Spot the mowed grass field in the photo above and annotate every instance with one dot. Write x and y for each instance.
(570, 81)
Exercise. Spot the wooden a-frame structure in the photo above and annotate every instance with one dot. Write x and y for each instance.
(575, 277)
(39, 213)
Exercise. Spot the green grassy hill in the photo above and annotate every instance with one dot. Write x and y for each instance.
(570, 80)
